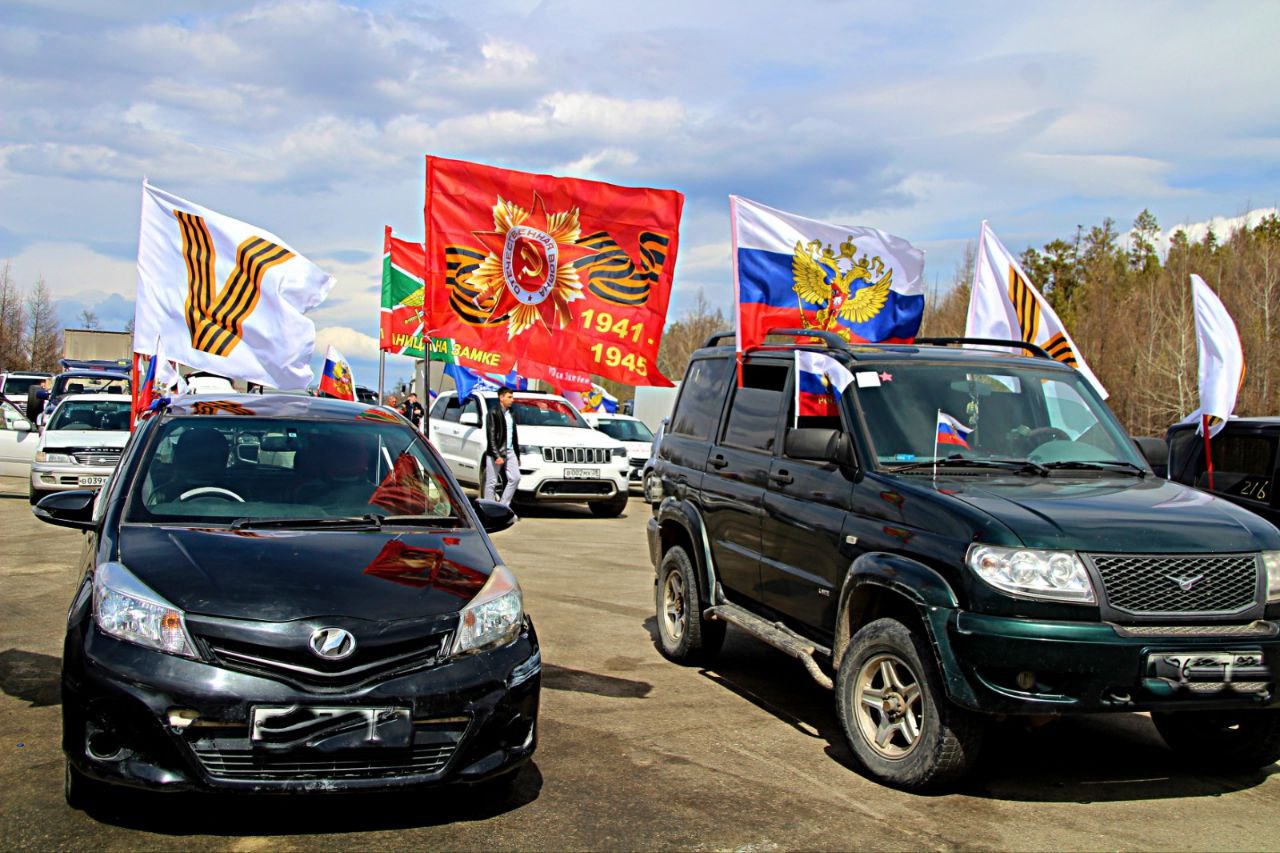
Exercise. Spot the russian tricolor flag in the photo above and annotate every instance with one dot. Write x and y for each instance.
(820, 380)
(777, 288)
(952, 432)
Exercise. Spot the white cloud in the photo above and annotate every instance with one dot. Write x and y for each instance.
(349, 342)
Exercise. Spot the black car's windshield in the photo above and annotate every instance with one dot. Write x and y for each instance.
(90, 383)
(250, 472)
(621, 430)
(918, 411)
(536, 411)
(91, 415)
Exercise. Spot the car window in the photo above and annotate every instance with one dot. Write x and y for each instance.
(1243, 466)
(470, 407)
(533, 411)
(697, 410)
(200, 472)
(452, 410)
(90, 383)
(625, 430)
(17, 386)
(441, 407)
(756, 406)
(91, 415)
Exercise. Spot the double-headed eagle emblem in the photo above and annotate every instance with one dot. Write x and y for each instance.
(826, 278)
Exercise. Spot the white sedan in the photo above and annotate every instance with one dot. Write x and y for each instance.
(81, 443)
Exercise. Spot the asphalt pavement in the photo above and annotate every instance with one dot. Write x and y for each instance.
(635, 752)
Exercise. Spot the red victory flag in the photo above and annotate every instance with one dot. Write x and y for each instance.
(562, 272)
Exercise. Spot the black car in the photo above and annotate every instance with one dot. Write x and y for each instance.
(1015, 558)
(1246, 470)
(327, 616)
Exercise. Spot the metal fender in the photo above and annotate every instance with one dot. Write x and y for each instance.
(675, 511)
(917, 583)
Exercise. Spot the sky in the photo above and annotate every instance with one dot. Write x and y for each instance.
(311, 118)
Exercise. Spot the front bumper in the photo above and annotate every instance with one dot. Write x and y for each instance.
(549, 482)
(1005, 665)
(60, 476)
(473, 718)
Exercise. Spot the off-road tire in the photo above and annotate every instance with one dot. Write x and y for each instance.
(699, 640)
(611, 508)
(948, 738)
(1208, 740)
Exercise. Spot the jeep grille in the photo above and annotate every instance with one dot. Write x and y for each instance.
(577, 455)
(1150, 584)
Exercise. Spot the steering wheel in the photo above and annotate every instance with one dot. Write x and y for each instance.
(212, 491)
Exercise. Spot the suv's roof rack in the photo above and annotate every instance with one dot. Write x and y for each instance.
(831, 339)
(1034, 349)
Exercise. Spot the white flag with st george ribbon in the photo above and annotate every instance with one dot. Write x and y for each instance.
(1221, 359)
(224, 296)
(1005, 304)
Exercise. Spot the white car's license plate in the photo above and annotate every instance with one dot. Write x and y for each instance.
(582, 473)
(93, 481)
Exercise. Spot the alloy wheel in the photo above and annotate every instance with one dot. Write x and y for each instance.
(889, 705)
(675, 609)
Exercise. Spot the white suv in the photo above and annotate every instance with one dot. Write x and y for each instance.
(562, 459)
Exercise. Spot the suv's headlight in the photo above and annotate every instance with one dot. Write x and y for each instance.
(127, 609)
(1053, 575)
(493, 617)
(529, 450)
(42, 456)
(1271, 562)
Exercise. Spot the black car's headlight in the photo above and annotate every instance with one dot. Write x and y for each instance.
(127, 609)
(1033, 573)
(493, 617)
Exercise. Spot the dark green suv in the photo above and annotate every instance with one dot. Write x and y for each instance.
(1019, 559)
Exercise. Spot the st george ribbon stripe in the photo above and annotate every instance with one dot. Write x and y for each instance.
(1026, 306)
(1060, 350)
(216, 320)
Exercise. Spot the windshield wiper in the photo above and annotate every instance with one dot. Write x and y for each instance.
(1020, 466)
(347, 521)
(423, 520)
(1099, 465)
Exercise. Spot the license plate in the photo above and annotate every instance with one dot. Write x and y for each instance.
(293, 727)
(582, 473)
(93, 481)
(1190, 668)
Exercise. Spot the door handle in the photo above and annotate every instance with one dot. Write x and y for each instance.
(718, 461)
(782, 478)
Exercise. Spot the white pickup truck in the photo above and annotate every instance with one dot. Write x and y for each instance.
(562, 459)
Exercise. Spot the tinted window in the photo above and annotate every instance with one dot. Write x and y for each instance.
(626, 430)
(88, 414)
(471, 407)
(1243, 466)
(17, 386)
(438, 410)
(753, 413)
(452, 410)
(545, 412)
(698, 409)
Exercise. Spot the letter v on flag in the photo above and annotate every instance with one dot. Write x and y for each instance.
(222, 295)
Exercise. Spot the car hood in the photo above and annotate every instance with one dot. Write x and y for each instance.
(281, 575)
(1113, 514)
(554, 436)
(57, 439)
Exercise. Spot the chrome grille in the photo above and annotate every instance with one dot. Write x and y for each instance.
(97, 456)
(1150, 584)
(301, 666)
(227, 762)
(577, 455)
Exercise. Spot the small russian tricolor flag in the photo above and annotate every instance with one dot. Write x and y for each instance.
(820, 380)
(951, 431)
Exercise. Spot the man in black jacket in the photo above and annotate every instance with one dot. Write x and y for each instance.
(413, 410)
(502, 453)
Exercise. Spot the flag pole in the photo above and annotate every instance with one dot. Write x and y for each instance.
(936, 420)
(382, 372)
(1208, 453)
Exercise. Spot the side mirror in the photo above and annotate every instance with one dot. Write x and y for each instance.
(469, 419)
(819, 445)
(68, 509)
(1155, 451)
(493, 515)
(21, 425)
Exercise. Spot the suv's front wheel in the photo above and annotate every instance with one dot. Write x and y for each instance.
(683, 635)
(1229, 741)
(895, 713)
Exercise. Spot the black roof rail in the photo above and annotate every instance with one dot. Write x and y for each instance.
(831, 339)
(1034, 349)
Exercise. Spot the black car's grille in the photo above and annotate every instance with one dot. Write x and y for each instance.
(301, 666)
(577, 455)
(96, 456)
(1150, 584)
(246, 763)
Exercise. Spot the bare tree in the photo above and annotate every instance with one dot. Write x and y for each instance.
(43, 335)
(13, 323)
(88, 319)
(683, 337)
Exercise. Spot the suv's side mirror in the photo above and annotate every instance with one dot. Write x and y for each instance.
(494, 516)
(20, 425)
(1155, 451)
(819, 445)
(68, 509)
(469, 419)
